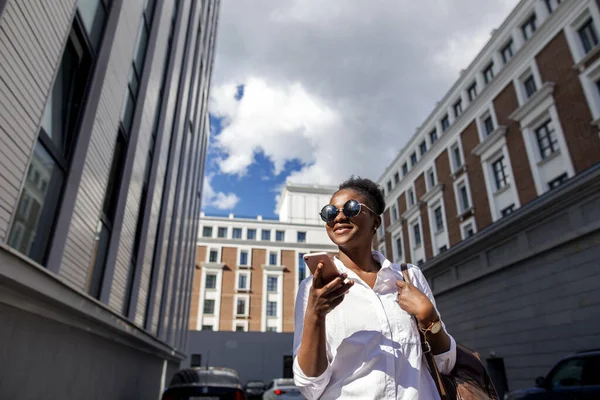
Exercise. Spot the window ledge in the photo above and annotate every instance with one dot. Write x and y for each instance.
(581, 65)
(502, 189)
(439, 232)
(408, 214)
(431, 193)
(244, 266)
(466, 213)
(458, 171)
(242, 317)
(489, 141)
(551, 157)
(538, 97)
(246, 290)
(276, 268)
(394, 225)
(416, 247)
(213, 265)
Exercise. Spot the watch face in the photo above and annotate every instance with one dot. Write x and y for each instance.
(436, 327)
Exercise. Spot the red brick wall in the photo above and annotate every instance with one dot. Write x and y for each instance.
(556, 65)
(195, 300)
(229, 257)
(470, 139)
(504, 104)
(258, 259)
(442, 165)
(401, 203)
(420, 190)
(288, 259)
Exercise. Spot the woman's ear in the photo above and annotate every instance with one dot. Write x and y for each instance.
(377, 223)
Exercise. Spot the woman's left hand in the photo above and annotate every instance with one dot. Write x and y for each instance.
(414, 302)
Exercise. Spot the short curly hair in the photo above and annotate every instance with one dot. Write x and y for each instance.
(368, 188)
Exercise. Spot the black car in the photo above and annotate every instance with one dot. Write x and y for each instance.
(205, 384)
(254, 389)
(573, 377)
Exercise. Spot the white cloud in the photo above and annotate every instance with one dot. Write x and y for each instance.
(340, 86)
(220, 200)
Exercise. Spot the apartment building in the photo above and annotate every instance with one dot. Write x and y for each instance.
(103, 136)
(522, 119)
(248, 269)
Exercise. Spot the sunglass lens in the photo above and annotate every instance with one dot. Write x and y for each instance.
(328, 213)
(351, 208)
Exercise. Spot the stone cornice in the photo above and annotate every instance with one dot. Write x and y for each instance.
(489, 141)
(433, 192)
(546, 90)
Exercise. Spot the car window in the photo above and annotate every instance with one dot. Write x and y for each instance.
(568, 373)
(591, 371)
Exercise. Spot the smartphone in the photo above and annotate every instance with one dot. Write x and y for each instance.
(330, 271)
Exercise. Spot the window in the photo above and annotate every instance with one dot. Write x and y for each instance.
(552, 5)
(420, 262)
(236, 233)
(244, 257)
(93, 15)
(280, 236)
(207, 231)
(411, 197)
(468, 230)
(272, 284)
(530, 86)
(445, 123)
(588, 36)
(213, 256)
(488, 124)
(472, 91)
(207, 327)
(417, 235)
(222, 232)
(508, 210)
(457, 108)
(456, 156)
(241, 307)
(399, 247)
(394, 213)
(488, 73)
(240, 328)
(529, 27)
(439, 219)
(499, 170)
(433, 136)
(272, 311)
(404, 169)
(211, 281)
(431, 177)
(251, 234)
(413, 159)
(558, 181)
(272, 258)
(301, 236)
(507, 51)
(546, 138)
(209, 306)
(272, 328)
(569, 373)
(389, 186)
(301, 268)
(266, 235)
(423, 147)
(463, 197)
(53, 150)
(196, 360)
(443, 248)
(396, 178)
(242, 281)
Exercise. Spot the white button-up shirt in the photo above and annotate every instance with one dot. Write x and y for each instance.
(373, 346)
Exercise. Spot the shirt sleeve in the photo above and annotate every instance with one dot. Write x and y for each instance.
(310, 387)
(445, 361)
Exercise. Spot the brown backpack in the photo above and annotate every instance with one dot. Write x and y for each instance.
(468, 380)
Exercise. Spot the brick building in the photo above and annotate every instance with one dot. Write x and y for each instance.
(248, 269)
(523, 118)
(103, 135)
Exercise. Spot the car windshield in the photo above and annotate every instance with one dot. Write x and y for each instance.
(207, 377)
(255, 384)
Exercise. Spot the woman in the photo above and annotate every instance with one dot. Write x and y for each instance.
(356, 336)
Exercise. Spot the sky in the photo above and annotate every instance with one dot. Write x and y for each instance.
(312, 91)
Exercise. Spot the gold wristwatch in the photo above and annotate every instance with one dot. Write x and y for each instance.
(435, 327)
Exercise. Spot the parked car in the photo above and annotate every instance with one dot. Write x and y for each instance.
(211, 383)
(254, 389)
(573, 377)
(282, 389)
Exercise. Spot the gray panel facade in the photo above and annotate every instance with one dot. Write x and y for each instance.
(527, 289)
(126, 340)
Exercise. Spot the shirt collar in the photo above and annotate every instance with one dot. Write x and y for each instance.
(386, 265)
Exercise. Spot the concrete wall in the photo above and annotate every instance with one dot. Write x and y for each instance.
(527, 288)
(254, 355)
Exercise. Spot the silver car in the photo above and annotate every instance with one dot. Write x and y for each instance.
(282, 389)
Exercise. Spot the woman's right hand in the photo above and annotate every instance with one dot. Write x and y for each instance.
(324, 297)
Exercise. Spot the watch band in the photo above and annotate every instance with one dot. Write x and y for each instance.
(430, 327)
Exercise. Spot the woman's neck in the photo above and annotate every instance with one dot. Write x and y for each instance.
(359, 259)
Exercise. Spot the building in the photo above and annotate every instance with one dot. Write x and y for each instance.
(518, 129)
(103, 135)
(248, 269)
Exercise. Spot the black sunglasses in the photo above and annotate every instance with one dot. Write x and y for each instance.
(350, 209)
